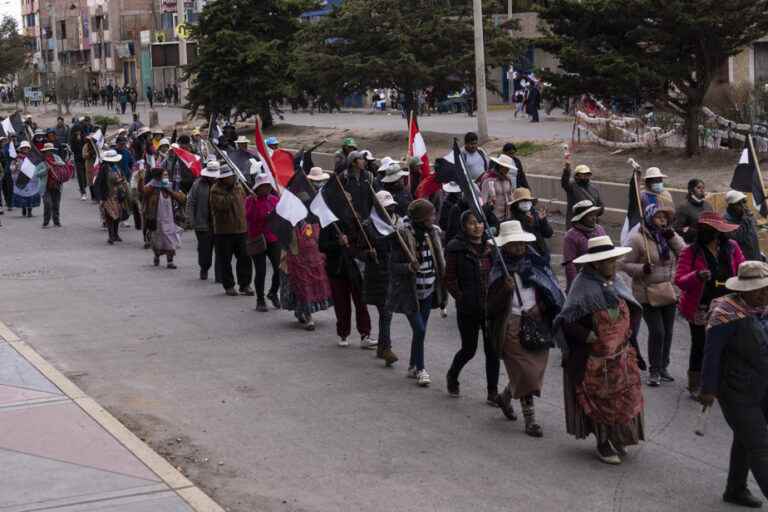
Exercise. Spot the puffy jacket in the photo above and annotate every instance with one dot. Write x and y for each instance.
(466, 275)
(662, 272)
(686, 278)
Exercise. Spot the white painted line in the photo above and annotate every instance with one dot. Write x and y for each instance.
(197, 499)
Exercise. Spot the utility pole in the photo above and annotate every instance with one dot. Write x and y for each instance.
(482, 99)
(182, 19)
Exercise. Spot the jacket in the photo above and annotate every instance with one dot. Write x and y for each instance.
(574, 245)
(536, 226)
(257, 210)
(401, 295)
(228, 209)
(735, 363)
(152, 198)
(746, 235)
(575, 193)
(662, 271)
(198, 210)
(376, 278)
(663, 199)
(340, 261)
(689, 263)
(466, 275)
(686, 217)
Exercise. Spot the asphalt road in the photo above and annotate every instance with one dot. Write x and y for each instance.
(268, 417)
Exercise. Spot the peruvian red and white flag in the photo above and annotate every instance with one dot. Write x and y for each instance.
(416, 147)
(191, 160)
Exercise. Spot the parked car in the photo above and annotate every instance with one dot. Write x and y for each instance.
(455, 104)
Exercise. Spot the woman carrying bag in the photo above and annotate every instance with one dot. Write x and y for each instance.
(262, 243)
(651, 264)
(521, 308)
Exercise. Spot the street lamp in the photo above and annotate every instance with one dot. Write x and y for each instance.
(482, 99)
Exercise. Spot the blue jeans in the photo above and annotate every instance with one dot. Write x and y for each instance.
(418, 323)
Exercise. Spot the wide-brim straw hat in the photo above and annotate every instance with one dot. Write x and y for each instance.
(24, 144)
(583, 208)
(111, 156)
(505, 161)
(752, 275)
(241, 140)
(601, 248)
(521, 194)
(318, 174)
(262, 179)
(512, 231)
(211, 170)
(653, 173)
(225, 172)
(715, 221)
(48, 147)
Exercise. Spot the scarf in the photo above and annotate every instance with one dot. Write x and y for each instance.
(533, 272)
(584, 229)
(655, 231)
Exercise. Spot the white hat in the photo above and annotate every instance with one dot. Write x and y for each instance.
(734, 196)
(505, 161)
(111, 156)
(582, 169)
(582, 208)
(257, 166)
(385, 198)
(385, 163)
(752, 275)
(262, 179)
(451, 188)
(241, 140)
(48, 147)
(653, 172)
(225, 171)
(318, 174)
(164, 142)
(393, 173)
(211, 169)
(24, 144)
(141, 131)
(512, 231)
(368, 155)
(601, 248)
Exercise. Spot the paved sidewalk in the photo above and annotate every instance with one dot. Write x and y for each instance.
(56, 456)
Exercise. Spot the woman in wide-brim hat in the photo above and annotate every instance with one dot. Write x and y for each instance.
(702, 271)
(602, 363)
(530, 290)
(522, 208)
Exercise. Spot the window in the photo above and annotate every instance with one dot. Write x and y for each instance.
(30, 20)
(62, 30)
(166, 21)
(100, 23)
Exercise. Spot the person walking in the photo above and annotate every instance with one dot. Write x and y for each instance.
(579, 189)
(76, 143)
(58, 173)
(601, 359)
(738, 213)
(651, 264)
(159, 198)
(26, 191)
(199, 219)
(702, 270)
(262, 243)
(687, 214)
(416, 280)
(498, 186)
(376, 275)
(654, 192)
(467, 265)
(584, 227)
(523, 301)
(735, 371)
(227, 206)
(112, 189)
(522, 208)
(151, 97)
(6, 183)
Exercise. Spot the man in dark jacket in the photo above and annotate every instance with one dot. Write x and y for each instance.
(578, 190)
(735, 372)
(738, 213)
(227, 206)
(199, 218)
(687, 214)
(76, 142)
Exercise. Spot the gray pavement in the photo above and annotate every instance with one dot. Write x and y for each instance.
(265, 416)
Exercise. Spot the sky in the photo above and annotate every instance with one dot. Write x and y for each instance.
(11, 8)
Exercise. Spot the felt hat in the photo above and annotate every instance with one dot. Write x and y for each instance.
(512, 231)
(48, 147)
(601, 248)
(141, 131)
(505, 161)
(582, 169)
(157, 130)
(165, 142)
(111, 156)
(715, 221)
(582, 208)
(521, 194)
(393, 173)
(734, 196)
(653, 173)
(225, 171)
(196, 131)
(318, 174)
(752, 275)
(385, 198)
(241, 140)
(211, 169)
(368, 155)
(385, 163)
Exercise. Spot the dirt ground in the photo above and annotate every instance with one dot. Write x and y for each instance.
(714, 167)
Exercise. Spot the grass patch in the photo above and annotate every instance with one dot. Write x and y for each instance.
(527, 148)
(105, 120)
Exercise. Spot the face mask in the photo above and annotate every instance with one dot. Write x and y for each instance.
(582, 182)
(165, 182)
(525, 206)
(657, 187)
(697, 200)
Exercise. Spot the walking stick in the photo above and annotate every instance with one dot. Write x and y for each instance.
(403, 245)
(635, 172)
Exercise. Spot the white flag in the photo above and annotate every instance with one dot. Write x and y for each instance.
(8, 127)
(28, 168)
(319, 207)
(291, 208)
(12, 150)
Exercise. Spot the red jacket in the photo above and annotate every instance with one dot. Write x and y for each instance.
(687, 279)
(257, 209)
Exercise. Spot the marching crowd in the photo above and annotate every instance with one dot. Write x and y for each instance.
(488, 250)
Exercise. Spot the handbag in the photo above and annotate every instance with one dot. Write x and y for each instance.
(533, 336)
(660, 294)
(256, 246)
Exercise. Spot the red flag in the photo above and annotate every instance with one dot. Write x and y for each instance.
(283, 162)
(191, 160)
(416, 147)
(264, 152)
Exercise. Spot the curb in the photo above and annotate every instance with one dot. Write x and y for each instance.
(177, 482)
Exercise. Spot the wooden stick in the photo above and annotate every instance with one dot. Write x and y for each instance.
(354, 212)
(403, 245)
(635, 173)
(410, 125)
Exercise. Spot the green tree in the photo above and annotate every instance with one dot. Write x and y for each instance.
(244, 48)
(15, 49)
(406, 45)
(668, 51)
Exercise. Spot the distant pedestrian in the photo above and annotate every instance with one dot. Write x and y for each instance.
(579, 189)
(113, 191)
(151, 96)
(159, 198)
(737, 212)
(199, 218)
(687, 214)
(576, 241)
(262, 243)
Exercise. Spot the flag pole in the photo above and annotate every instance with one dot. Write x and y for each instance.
(354, 212)
(757, 165)
(223, 155)
(408, 152)
(635, 172)
(403, 245)
(266, 156)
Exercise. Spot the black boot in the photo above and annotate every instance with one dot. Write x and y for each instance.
(452, 383)
(742, 498)
(504, 401)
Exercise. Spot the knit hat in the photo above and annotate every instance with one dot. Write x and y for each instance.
(420, 210)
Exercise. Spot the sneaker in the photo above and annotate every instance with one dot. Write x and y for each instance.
(665, 376)
(411, 373)
(273, 298)
(83, 198)
(57, 224)
(607, 455)
(422, 378)
(491, 399)
(247, 291)
(231, 292)
(310, 326)
(261, 306)
(171, 265)
(654, 380)
(743, 498)
(389, 357)
(343, 342)
(367, 343)
(452, 383)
